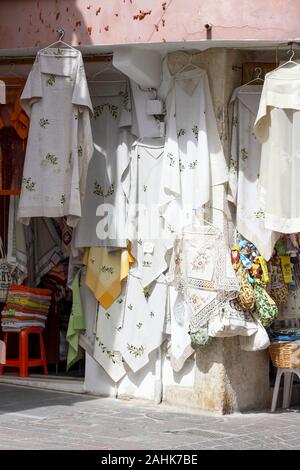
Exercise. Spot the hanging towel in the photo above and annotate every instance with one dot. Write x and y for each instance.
(76, 325)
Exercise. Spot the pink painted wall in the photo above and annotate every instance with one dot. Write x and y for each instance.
(31, 23)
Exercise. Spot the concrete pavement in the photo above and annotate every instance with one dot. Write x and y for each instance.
(40, 419)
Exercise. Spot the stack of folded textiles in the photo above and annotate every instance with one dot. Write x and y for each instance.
(25, 307)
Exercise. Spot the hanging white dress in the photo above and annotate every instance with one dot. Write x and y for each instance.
(277, 126)
(60, 144)
(144, 320)
(194, 161)
(244, 170)
(145, 226)
(104, 208)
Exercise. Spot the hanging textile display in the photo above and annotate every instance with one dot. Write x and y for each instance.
(60, 144)
(108, 340)
(90, 311)
(43, 247)
(76, 324)
(277, 127)
(106, 269)
(104, 208)
(144, 319)
(145, 226)
(203, 273)
(193, 160)
(244, 170)
(181, 348)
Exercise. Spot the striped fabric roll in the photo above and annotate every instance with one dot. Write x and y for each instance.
(25, 307)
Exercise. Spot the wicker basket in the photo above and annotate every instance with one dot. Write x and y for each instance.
(285, 355)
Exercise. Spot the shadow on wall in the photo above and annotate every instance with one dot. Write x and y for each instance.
(34, 23)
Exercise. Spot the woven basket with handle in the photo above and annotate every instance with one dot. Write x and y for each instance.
(285, 355)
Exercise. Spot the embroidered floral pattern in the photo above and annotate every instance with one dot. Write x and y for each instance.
(44, 123)
(107, 269)
(233, 166)
(244, 154)
(135, 351)
(29, 184)
(146, 292)
(200, 261)
(152, 315)
(145, 188)
(80, 151)
(111, 108)
(63, 199)
(171, 159)
(130, 306)
(139, 325)
(259, 214)
(181, 166)
(107, 314)
(98, 190)
(147, 264)
(120, 301)
(126, 101)
(51, 158)
(113, 355)
(235, 121)
(51, 80)
(193, 165)
(195, 131)
(181, 132)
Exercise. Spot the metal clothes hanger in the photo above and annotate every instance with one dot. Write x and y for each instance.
(100, 72)
(290, 61)
(258, 70)
(61, 33)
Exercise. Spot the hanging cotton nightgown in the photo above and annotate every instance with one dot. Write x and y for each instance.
(104, 208)
(244, 170)
(194, 161)
(145, 226)
(277, 126)
(60, 145)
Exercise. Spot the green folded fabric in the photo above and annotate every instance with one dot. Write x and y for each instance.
(76, 325)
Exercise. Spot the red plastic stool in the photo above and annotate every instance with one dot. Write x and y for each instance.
(23, 362)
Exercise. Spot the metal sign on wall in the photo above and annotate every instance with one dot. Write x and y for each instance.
(252, 70)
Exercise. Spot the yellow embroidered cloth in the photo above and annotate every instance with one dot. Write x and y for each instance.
(106, 271)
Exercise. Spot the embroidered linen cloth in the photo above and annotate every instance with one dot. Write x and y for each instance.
(60, 144)
(108, 340)
(193, 159)
(104, 208)
(145, 226)
(277, 127)
(202, 272)
(244, 170)
(144, 319)
(106, 271)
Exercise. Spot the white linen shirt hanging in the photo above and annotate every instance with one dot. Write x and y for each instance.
(144, 222)
(193, 159)
(104, 208)
(60, 144)
(277, 126)
(244, 170)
